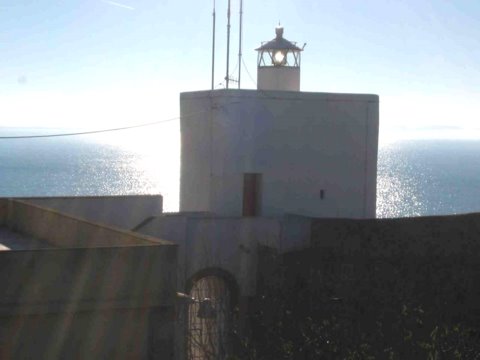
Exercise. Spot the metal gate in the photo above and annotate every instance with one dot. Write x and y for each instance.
(209, 320)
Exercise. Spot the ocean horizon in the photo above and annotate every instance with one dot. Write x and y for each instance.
(414, 178)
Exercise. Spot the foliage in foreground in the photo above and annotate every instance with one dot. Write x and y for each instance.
(401, 307)
(409, 334)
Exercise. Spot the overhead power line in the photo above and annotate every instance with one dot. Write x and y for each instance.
(88, 132)
(111, 129)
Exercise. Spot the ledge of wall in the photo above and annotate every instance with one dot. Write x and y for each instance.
(123, 211)
(66, 231)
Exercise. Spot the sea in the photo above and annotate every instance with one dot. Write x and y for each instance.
(415, 177)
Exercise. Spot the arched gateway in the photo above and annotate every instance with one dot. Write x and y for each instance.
(210, 318)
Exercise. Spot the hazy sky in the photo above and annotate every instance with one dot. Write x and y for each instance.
(98, 63)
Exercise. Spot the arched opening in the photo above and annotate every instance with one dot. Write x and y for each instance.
(210, 317)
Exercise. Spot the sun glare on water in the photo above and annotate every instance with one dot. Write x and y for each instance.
(156, 157)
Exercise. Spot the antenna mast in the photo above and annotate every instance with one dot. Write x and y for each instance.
(213, 46)
(240, 45)
(227, 77)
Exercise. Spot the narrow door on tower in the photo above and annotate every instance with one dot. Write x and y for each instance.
(252, 194)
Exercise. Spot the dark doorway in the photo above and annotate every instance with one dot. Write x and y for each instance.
(252, 191)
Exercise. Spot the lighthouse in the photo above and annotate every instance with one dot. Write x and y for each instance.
(278, 64)
(277, 150)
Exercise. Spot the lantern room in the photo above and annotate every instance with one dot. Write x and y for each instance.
(279, 64)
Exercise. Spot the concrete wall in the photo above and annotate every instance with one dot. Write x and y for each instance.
(408, 287)
(3, 211)
(124, 211)
(431, 262)
(418, 236)
(66, 231)
(94, 334)
(88, 303)
(111, 277)
(101, 293)
(301, 143)
(278, 78)
(225, 243)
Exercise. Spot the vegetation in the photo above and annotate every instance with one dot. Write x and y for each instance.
(387, 316)
(280, 332)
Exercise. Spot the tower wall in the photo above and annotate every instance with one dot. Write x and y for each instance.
(278, 78)
(316, 152)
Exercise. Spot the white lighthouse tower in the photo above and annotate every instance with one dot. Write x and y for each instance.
(278, 64)
(277, 150)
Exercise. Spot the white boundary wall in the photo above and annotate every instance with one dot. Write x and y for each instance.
(123, 211)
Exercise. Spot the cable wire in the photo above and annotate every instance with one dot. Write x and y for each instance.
(248, 72)
(105, 130)
(88, 132)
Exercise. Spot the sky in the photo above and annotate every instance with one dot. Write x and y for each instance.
(101, 63)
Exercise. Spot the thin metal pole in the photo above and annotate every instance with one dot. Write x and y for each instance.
(240, 45)
(213, 47)
(227, 77)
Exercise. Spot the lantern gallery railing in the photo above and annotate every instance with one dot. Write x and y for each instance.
(279, 52)
(279, 58)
